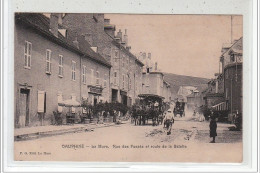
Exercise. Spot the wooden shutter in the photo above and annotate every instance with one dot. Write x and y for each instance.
(41, 101)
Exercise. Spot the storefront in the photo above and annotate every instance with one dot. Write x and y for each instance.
(123, 95)
(94, 94)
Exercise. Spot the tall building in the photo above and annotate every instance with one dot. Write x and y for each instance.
(153, 80)
(125, 74)
(232, 63)
(52, 66)
(228, 84)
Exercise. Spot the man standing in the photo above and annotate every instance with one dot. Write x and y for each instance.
(169, 120)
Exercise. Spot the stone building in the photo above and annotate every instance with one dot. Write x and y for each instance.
(232, 62)
(153, 78)
(225, 92)
(51, 68)
(125, 74)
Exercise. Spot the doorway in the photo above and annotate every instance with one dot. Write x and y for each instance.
(23, 102)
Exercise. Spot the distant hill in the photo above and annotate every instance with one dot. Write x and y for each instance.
(180, 80)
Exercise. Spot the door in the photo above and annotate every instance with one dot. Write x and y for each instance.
(24, 107)
(95, 100)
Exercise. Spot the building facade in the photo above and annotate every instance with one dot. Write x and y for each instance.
(232, 63)
(153, 79)
(125, 74)
(49, 69)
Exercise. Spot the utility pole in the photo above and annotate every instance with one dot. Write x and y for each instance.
(231, 29)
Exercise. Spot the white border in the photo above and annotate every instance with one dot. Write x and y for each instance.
(248, 8)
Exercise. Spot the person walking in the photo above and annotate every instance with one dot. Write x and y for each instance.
(169, 120)
(213, 128)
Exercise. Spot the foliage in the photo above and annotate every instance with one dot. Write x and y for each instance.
(106, 107)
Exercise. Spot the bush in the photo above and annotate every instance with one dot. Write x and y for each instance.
(107, 107)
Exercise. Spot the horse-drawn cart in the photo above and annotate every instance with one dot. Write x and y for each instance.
(150, 107)
(179, 109)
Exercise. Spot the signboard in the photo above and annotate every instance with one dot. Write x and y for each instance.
(95, 90)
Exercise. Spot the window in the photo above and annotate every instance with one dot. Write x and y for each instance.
(232, 57)
(97, 77)
(84, 79)
(105, 80)
(115, 78)
(130, 83)
(48, 61)
(147, 70)
(92, 77)
(226, 74)
(226, 93)
(123, 81)
(27, 54)
(60, 66)
(73, 70)
(116, 55)
(123, 61)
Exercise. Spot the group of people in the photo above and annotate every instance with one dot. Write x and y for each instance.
(168, 121)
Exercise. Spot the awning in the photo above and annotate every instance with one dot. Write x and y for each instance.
(69, 103)
(220, 107)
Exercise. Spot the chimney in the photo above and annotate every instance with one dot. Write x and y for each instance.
(54, 21)
(126, 38)
(155, 66)
(106, 21)
(119, 34)
(149, 55)
(144, 55)
(76, 43)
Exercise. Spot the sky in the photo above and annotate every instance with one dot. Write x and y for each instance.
(181, 44)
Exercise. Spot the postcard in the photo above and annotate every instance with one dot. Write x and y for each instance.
(98, 87)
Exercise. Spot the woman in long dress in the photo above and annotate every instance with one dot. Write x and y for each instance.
(213, 128)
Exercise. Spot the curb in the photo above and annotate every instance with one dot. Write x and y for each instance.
(38, 135)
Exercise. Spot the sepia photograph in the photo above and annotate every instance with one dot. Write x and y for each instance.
(107, 87)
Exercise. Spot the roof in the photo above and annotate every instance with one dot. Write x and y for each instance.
(156, 72)
(237, 47)
(40, 23)
(124, 49)
(110, 26)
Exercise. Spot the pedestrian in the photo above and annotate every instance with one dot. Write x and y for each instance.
(213, 128)
(168, 121)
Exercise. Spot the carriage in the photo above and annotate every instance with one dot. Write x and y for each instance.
(149, 108)
(179, 108)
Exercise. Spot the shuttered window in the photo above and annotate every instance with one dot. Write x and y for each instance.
(48, 61)
(27, 54)
(41, 101)
(73, 70)
(60, 65)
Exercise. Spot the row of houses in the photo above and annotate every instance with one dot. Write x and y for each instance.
(76, 57)
(225, 92)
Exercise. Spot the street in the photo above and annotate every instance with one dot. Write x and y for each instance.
(189, 142)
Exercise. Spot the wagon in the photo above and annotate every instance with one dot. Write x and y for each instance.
(149, 108)
(179, 109)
